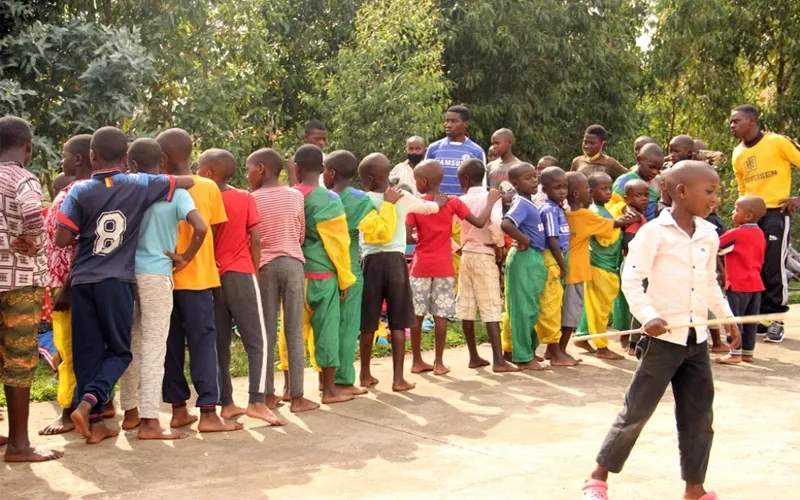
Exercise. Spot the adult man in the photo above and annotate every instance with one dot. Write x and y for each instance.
(403, 173)
(455, 148)
(762, 164)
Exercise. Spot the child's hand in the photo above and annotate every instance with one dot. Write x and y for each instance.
(655, 327)
(179, 261)
(499, 254)
(440, 199)
(63, 300)
(392, 195)
(494, 196)
(523, 244)
(25, 245)
(632, 212)
(628, 218)
(735, 336)
(563, 272)
(343, 295)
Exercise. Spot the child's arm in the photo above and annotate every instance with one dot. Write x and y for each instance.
(511, 229)
(410, 240)
(551, 231)
(378, 226)
(638, 267)
(481, 220)
(415, 205)
(332, 228)
(183, 181)
(181, 260)
(255, 249)
(555, 249)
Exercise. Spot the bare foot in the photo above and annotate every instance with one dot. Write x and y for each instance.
(353, 390)
(402, 385)
(231, 411)
(720, 349)
(286, 398)
(336, 396)
(585, 345)
(625, 342)
(440, 369)
(507, 356)
(109, 411)
(420, 367)
(181, 417)
(747, 358)
(606, 353)
(631, 351)
(261, 412)
(302, 404)
(3, 440)
(60, 425)
(477, 363)
(100, 432)
(272, 401)
(533, 366)
(211, 422)
(368, 381)
(151, 429)
(729, 359)
(559, 358)
(30, 454)
(505, 368)
(131, 420)
(80, 417)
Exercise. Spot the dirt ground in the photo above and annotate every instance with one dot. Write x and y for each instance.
(472, 434)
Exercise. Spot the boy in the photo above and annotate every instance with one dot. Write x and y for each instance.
(479, 275)
(328, 269)
(525, 268)
(315, 133)
(24, 265)
(605, 259)
(744, 248)
(594, 158)
(403, 173)
(648, 166)
(141, 385)
(192, 320)
(502, 141)
(676, 254)
(386, 274)
(281, 234)
(237, 248)
(640, 142)
(557, 234)
(75, 156)
(454, 148)
(432, 270)
(584, 224)
(540, 198)
(106, 213)
(361, 215)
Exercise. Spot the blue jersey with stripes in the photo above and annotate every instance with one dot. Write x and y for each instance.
(524, 214)
(450, 154)
(555, 224)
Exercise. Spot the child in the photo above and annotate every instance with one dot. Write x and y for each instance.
(594, 158)
(237, 248)
(648, 166)
(328, 276)
(640, 142)
(677, 256)
(540, 198)
(744, 249)
(502, 141)
(25, 268)
(526, 272)
(75, 156)
(479, 276)
(376, 228)
(557, 234)
(386, 274)
(583, 225)
(106, 213)
(192, 320)
(315, 133)
(432, 270)
(141, 385)
(281, 234)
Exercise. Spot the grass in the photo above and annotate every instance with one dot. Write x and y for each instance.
(45, 385)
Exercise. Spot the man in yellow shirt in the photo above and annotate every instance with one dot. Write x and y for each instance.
(762, 163)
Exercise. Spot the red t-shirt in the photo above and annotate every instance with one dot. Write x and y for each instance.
(433, 257)
(232, 242)
(743, 248)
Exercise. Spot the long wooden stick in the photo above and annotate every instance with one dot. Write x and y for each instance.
(740, 320)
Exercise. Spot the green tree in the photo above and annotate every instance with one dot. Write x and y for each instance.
(388, 83)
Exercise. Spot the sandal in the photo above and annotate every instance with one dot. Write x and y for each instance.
(594, 489)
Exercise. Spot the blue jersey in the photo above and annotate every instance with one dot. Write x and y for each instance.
(451, 154)
(524, 214)
(106, 212)
(555, 224)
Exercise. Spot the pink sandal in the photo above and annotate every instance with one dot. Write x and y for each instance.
(709, 496)
(594, 489)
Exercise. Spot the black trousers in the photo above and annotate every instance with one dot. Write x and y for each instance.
(688, 369)
(745, 304)
(777, 230)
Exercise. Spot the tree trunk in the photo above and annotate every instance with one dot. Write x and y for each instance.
(107, 11)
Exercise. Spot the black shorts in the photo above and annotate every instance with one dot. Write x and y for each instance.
(386, 278)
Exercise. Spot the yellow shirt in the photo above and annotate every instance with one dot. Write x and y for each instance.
(765, 169)
(583, 224)
(201, 273)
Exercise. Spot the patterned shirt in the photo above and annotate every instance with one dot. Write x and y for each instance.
(59, 259)
(20, 215)
(403, 174)
(282, 223)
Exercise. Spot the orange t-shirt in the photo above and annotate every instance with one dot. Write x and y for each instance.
(583, 224)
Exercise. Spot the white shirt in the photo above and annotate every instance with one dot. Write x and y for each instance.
(681, 273)
(403, 173)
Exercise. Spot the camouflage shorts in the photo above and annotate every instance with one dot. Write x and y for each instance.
(20, 313)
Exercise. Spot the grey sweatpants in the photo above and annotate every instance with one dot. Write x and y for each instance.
(282, 282)
(140, 385)
(238, 300)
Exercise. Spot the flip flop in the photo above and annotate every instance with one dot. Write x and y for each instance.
(594, 489)
(709, 496)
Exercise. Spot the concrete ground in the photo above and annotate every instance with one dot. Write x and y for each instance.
(472, 434)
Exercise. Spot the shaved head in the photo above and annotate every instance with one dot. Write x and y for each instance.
(176, 143)
(688, 172)
(504, 134)
(146, 153)
(61, 181)
(652, 150)
(550, 175)
(269, 158)
(634, 185)
(518, 170)
(598, 178)
(220, 162)
(431, 170)
(700, 145)
(753, 204)
(375, 164)
(343, 162)
(415, 139)
(683, 141)
(109, 145)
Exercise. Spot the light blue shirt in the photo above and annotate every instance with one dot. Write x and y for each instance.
(159, 232)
